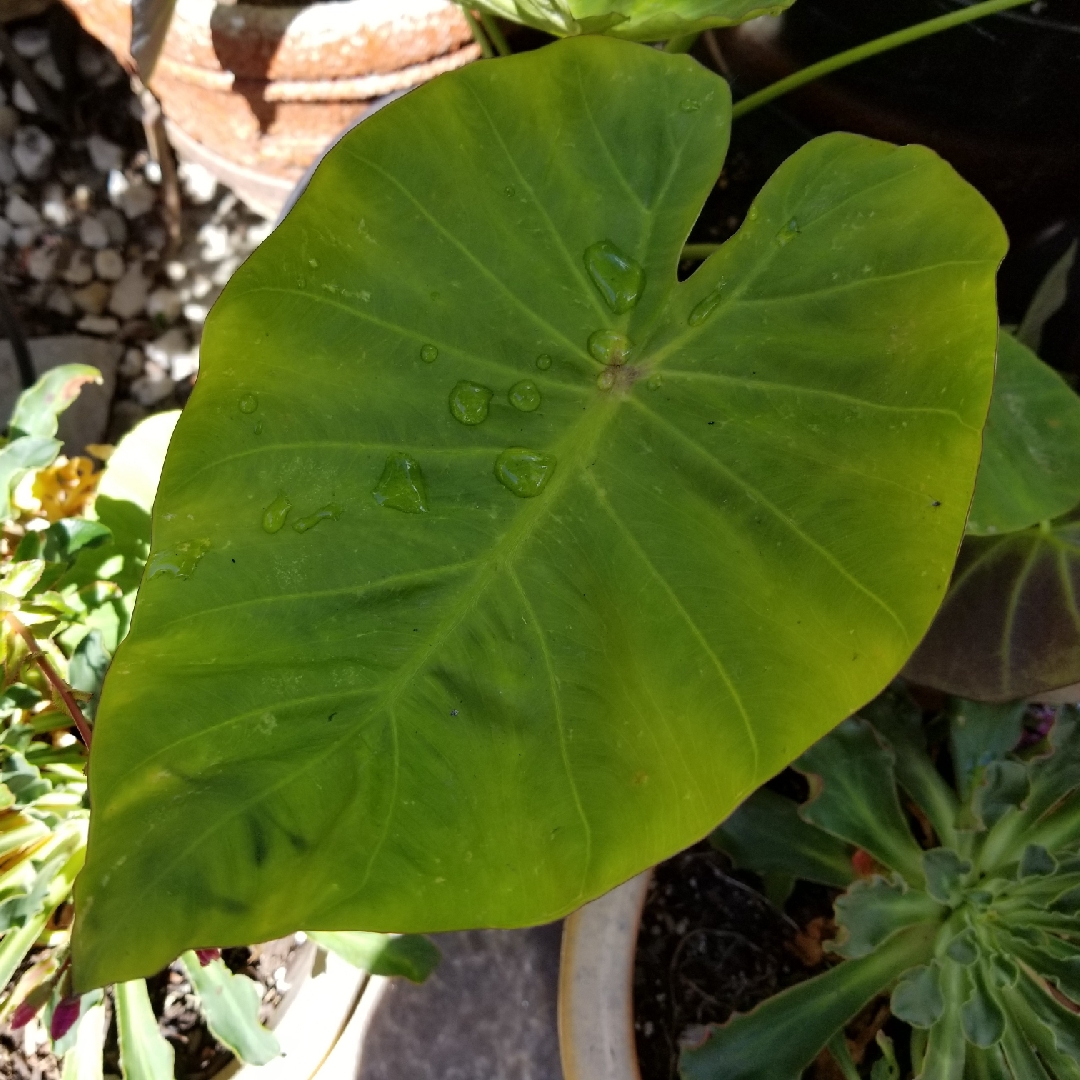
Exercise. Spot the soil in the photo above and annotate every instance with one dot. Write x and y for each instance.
(25, 1055)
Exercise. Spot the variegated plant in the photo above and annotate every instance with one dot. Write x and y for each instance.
(966, 910)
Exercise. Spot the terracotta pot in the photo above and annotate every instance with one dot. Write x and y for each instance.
(256, 93)
(596, 985)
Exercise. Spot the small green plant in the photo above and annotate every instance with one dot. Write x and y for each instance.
(966, 910)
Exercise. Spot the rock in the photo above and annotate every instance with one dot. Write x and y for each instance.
(114, 224)
(186, 364)
(215, 241)
(9, 122)
(80, 268)
(152, 172)
(175, 270)
(60, 302)
(105, 325)
(132, 364)
(200, 286)
(46, 70)
(196, 313)
(32, 151)
(92, 298)
(198, 182)
(23, 99)
(163, 349)
(82, 198)
(129, 293)
(19, 212)
(104, 155)
(225, 269)
(93, 233)
(25, 235)
(134, 197)
(153, 386)
(8, 169)
(154, 237)
(109, 264)
(88, 417)
(90, 59)
(41, 263)
(54, 207)
(256, 234)
(31, 42)
(5, 232)
(164, 304)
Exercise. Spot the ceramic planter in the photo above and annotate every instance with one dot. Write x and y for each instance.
(255, 92)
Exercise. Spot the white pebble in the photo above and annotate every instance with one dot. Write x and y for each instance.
(215, 242)
(164, 304)
(25, 235)
(31, 42)
(256, 234)
(9, 121)
(60, 302)
(92, 233)
(98, 324)
(33, 151)
(200, 286)
(134, 197)
(132, 364)
(104, 155)
(23, 99)
(129, 293)
(152, 172)
(46, 70)
(153, 386)
(196, 313)
(200, 185)
(162, 349)
(80, 268)
(185, 364)
(109, 264)
(41, 264)
(175, 270)
(20, 212)
(54, 208)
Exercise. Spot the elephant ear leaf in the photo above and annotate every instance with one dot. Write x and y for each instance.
(483, 538)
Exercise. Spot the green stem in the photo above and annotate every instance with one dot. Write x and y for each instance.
(699, 251)
(681, 44)
(498, 39)
(477, 33)
(871, 48)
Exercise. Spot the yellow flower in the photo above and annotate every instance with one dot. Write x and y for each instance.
(65, 489)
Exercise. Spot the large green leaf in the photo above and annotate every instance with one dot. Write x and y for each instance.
(1010, 625)
(368, 686)
(638, 20)
(1030, 468)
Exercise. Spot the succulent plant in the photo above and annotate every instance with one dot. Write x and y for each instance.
(961, 898)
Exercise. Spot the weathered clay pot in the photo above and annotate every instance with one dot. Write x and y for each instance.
(255, 93)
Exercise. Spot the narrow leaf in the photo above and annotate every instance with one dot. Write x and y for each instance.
(144, 1052)
(230, 1004)
(946, 1049)
(1048, 300)
(410, 955)
(83, 1060)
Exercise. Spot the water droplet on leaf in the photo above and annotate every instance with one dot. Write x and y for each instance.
(525, 395)
(313, 263)
(429, 354)
(401, 486)
(509, 191)
(180, 562)
(469, 402)
(655, 381)
(620, 279)
(787, 233)
(258, 427)
(609, 346)
(329, 512)
(689, 105)
(248, 403)
(606, 379)
(524, 472)
(704, 308)
(275, 514)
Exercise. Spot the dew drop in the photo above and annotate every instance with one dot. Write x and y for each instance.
(509, 191)
(258, 427)
(655, 381)
(329, 512)
(429, 354)
(313, 263)
(524, 395)
(753, 214)
(524, 472)
(609, 346)
(275, 514)
(689, 105)
(248, 403)
(620, 279)
(606, 379)
(180, 562)
(469, 403)
(704, 308)
(543, 361)
(787, 233)
(401, 486)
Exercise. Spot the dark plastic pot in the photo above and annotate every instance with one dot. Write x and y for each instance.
(996, 97)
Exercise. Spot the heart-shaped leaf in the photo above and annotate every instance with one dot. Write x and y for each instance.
(1010, 624)
(406, 658)
(637, 20)
(1030, 468)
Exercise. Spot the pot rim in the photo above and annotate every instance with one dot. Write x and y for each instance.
(596, 985)
(328, 20)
